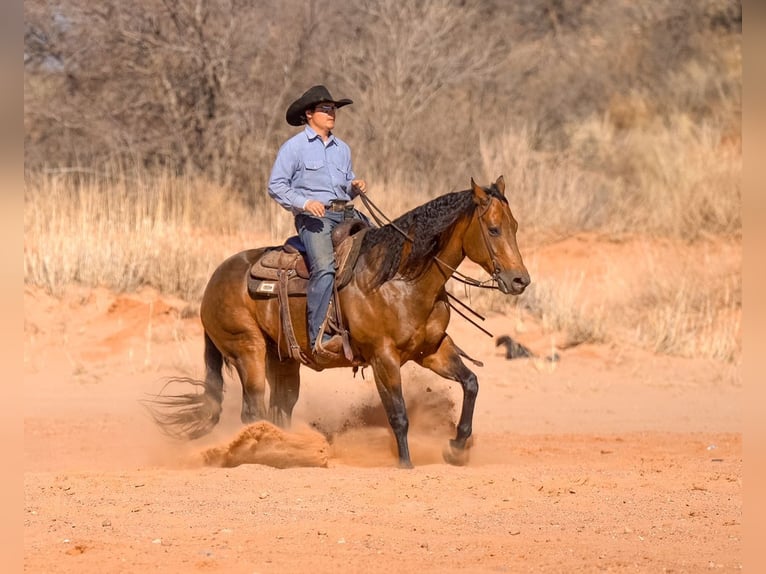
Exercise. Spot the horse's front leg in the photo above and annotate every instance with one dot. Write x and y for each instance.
(388, 380)
(447, 363)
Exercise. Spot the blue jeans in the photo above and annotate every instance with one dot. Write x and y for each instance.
(315, 235)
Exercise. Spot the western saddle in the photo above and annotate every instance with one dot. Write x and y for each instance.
(282, 272)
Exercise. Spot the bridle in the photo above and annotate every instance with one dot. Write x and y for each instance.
(491, 283)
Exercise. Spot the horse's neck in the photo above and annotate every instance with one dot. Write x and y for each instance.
(447, 259)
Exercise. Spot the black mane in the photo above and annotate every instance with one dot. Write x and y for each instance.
(429, 225)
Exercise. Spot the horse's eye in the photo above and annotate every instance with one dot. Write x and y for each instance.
(494, 231)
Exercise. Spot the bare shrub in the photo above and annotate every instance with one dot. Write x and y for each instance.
(201, 87)
(183, 85)
(410, 63)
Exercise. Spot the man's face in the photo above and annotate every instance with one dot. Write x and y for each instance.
(322, 117)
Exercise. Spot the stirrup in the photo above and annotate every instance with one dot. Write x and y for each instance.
(320, 348)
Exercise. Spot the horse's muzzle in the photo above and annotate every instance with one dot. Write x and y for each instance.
(512, 282)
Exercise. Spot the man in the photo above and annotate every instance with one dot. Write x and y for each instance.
(312, 177)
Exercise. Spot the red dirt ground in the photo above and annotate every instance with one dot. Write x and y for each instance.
(612, 459)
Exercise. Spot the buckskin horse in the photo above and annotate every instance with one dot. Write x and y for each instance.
(395, 309)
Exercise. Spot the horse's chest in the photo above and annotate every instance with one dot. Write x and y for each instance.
(398, 316)
(430, 327)
(438, 320)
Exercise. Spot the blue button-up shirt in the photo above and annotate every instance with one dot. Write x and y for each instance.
(308, 168)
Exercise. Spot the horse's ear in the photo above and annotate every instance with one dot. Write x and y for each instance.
(500, 185)
(480, 196)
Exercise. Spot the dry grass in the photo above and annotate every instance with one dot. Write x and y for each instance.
(680, 180)
(126, 230)
(666, 296)
(123, 232)
(560, 307)
(693, 309)
(685, 315)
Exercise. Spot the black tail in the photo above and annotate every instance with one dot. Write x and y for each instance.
(191, 415)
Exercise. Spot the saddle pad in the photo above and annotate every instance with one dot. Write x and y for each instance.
(265, 288)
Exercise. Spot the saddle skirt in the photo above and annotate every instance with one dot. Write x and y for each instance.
(287, 263)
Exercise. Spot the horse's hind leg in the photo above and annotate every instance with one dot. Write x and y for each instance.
(284, 384)
(446, 362)
(251, 368)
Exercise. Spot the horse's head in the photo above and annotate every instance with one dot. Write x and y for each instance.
(490, 239)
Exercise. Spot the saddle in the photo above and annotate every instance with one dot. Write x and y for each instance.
(282, 263)
(282, 272)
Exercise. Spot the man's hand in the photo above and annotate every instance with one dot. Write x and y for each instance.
(314, 207)
(359, 185)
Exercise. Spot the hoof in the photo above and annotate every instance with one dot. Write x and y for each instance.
(406, 464)
(455, 456)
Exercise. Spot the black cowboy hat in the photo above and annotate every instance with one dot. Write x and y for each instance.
(311, 97)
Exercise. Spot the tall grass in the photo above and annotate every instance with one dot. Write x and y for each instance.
(559, 306)
(692, 308)
(124, 230)
(672, 178)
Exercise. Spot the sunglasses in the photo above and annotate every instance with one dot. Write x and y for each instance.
(326, 108)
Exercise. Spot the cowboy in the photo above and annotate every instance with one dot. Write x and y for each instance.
(312, 177)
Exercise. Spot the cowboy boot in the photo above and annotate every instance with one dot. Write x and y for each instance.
(330, 347)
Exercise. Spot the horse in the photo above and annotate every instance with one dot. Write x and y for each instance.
(395, 309)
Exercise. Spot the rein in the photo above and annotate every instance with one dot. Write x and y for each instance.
(382, 219)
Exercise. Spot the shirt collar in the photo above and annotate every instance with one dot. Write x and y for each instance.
(311, 135)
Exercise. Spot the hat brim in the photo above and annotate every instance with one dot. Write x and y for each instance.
(294, 113)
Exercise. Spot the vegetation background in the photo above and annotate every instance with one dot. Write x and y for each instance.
(151, 127)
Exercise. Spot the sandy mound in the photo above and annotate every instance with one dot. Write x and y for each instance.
(264, 443)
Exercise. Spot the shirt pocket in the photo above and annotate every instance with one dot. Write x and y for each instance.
(313, 165)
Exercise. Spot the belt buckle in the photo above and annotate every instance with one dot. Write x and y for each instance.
(338, 204)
